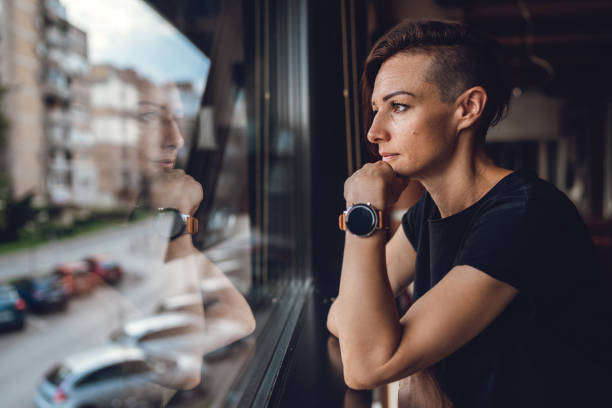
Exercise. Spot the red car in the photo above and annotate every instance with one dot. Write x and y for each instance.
(77, 278)
(105, 268)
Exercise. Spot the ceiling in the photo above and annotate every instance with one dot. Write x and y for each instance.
(563, 47)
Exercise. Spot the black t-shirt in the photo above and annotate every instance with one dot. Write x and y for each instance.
(552, 345)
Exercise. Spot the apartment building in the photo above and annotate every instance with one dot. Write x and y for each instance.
(44, 69)
(72, 175)
(21, 66)
(115, 128)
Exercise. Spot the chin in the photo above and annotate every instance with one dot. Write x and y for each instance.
(401, 170)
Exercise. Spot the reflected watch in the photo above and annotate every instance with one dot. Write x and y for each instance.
(181, 223)
(362, 219)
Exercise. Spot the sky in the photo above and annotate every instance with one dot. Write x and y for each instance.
(130, 34)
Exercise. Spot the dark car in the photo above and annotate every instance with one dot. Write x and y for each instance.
(44, 293)
(12, 308)
(105, 268)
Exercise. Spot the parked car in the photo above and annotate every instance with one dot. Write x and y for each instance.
(179, 332)
(104, 267)
(114, 375)
(77, 277)
(194, 303)
(12, 308)
(43, 293)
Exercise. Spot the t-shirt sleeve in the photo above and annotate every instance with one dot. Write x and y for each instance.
(413, 219)
(500, 242)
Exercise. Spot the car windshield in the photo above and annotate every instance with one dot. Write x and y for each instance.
(58, 374)
(46, 283)
(5, 294)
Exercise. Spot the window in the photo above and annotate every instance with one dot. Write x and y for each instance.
(124, 97)
(135, 367)
(58, 374)
(112, 372)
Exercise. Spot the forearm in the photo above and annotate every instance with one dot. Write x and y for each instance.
(180, 247)
(367, 319)
(229, 302)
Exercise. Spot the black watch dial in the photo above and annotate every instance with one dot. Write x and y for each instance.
(169, 223)
(361, 220)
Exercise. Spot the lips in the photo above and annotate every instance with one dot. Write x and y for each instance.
(388, 156)
(164, 163)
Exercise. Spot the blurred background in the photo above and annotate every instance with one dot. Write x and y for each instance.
(265, 96)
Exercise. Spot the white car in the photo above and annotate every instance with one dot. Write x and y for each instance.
(187, 302)
(179, 332)
(114, 375)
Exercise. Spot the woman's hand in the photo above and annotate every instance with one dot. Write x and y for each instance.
(374, 183)
(175, 189)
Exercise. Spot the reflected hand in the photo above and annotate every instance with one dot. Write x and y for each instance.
(374, 183)
(175, 189)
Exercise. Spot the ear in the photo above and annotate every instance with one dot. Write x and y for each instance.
(470, 106)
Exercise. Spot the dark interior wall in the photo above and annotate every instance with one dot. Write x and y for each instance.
(328, 143)
(337, 50)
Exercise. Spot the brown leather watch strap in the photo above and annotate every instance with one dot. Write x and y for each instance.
(342, 222)
(191, 225)
(382, 222)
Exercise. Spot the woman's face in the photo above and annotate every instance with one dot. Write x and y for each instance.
(159, 110)
(413, 128)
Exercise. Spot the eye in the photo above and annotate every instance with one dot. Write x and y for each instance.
(148, 117)
(398, 107)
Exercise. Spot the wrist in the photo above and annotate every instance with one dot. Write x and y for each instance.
(363, 219)
(376, 203)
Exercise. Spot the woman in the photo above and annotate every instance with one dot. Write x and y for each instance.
(509, 308)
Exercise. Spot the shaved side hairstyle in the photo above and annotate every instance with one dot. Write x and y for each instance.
(461, 58)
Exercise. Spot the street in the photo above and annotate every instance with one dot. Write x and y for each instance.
(88, 321)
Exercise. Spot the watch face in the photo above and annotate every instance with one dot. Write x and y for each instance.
(169, 223)
(361, 220)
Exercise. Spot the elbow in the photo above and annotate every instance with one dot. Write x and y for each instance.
(357, 385)
(360, 374)
(359, 381)
(251, 325)
(248, 323)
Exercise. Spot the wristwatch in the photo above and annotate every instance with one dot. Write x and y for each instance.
(172, 223)
(362, 219)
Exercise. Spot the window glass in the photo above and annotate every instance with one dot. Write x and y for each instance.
(58, 374)
(113, 372)
(151, 152)
(135, 367)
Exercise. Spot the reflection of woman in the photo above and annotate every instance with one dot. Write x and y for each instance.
(509, 308)
(169, 188)
(159, 110)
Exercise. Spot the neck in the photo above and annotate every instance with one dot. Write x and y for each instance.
(468, 176)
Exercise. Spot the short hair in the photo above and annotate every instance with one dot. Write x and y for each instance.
(461, 58)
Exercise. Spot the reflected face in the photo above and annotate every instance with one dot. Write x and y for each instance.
(158, 111)
(412, 127)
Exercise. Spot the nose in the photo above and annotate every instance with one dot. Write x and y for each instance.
(378, 132)
(171, 135)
